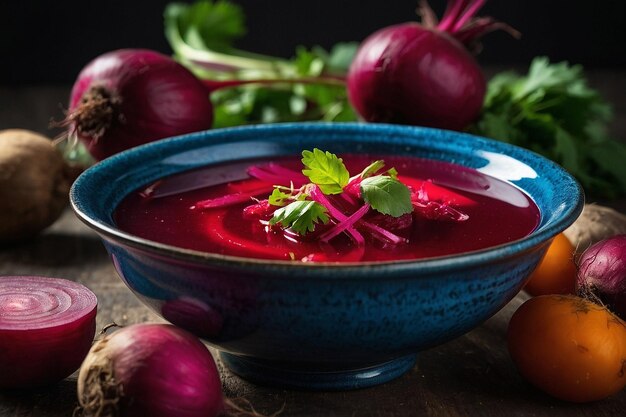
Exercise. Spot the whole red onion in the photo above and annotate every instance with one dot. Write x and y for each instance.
(129, 97)
(423, 74)
(155, 370)
(602, 273)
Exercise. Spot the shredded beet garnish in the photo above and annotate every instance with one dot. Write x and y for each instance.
(230, 199)
(379, 232)
(343, 225)
(276, 174)
(296, 177)
(317, 195)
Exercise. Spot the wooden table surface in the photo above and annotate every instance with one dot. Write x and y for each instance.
(472, 375)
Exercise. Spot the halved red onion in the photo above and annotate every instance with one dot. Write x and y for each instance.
(47, 326)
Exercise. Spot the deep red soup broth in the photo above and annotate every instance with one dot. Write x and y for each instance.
(458, 210)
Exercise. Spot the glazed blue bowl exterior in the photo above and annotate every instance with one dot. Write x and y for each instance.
(323, 326)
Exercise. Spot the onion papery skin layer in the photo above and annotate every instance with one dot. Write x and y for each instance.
(47, 326)
(150, 369)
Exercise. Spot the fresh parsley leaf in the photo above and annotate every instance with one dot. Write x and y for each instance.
(279, 198)
(300, 216)
(326, 170)
(387, 195)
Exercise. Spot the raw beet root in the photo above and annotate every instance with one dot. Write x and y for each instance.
(34, 184)
(423, 74)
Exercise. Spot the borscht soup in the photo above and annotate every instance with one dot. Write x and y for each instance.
(321, 207)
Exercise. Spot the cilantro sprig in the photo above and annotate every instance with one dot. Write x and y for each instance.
(381, 191)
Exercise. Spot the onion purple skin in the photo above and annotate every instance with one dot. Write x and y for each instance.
(410, 74)
(158, 370)
(147, 96)
(602, 273)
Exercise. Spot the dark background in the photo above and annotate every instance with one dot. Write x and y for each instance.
(50, 41)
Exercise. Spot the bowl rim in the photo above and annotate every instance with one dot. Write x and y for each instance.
(490, 254)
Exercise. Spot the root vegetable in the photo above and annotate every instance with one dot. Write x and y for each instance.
(129, 97)
(596, 223)
(423, 74)
(155, 370)
(556, 273)
(569, 347)
(34, 184)
(47, 326)
(602, 273)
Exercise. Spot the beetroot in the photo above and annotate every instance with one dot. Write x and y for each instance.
(423, 74)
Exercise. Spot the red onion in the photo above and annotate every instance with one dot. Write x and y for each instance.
(155, 370)
(423, 74)
(47, 326)
(602, 273)
(129, 97)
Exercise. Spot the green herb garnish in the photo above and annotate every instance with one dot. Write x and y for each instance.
(381, 191)
(300, 216)
(325, 170)
(279, 198)
(387, 195)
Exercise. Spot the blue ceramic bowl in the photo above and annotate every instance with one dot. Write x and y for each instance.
(323, 326)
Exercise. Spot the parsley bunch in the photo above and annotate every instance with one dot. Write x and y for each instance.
(553, 111)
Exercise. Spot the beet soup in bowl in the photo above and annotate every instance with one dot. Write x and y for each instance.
(185, 221)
